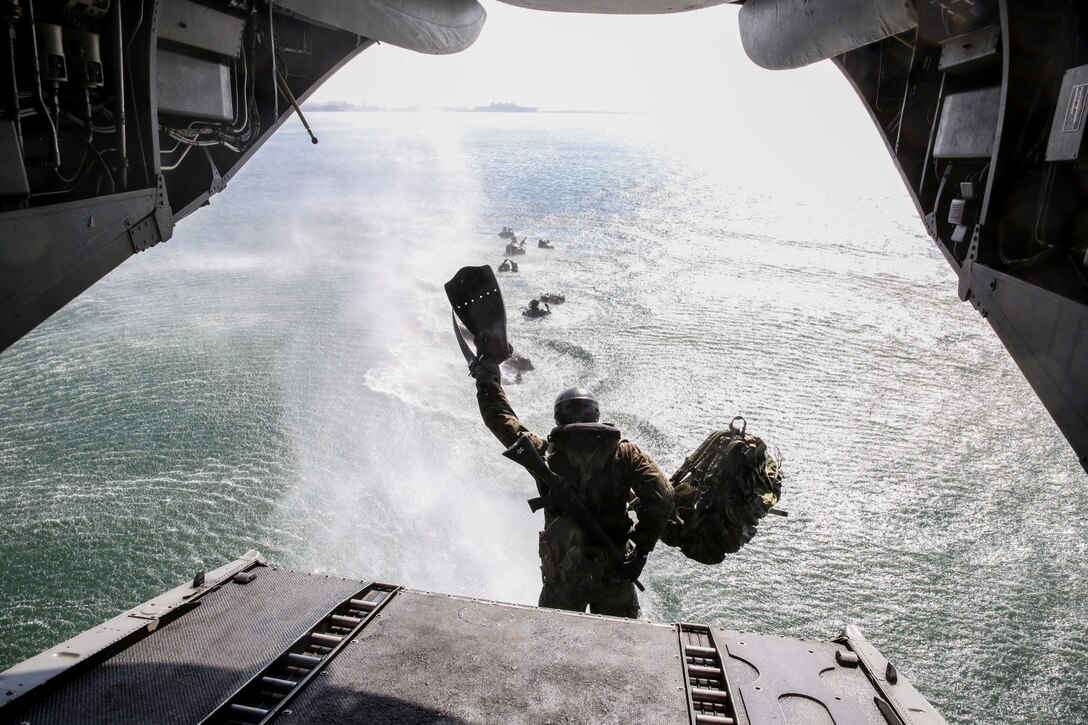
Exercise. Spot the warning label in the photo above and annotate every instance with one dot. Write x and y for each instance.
(1074, 113)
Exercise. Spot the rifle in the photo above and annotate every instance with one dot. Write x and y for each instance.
(561, 497)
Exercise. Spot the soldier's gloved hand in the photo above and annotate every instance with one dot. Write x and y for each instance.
(632, 568)
(484, 370)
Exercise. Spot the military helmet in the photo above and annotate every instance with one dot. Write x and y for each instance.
(576, 405)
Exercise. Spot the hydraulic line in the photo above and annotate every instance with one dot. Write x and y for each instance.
(275, 70)
(177, 163)
(119, 98)
(12, 17)
(242, 104)
(54, 151)
(96, 155)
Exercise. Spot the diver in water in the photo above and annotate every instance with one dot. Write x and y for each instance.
(611, 476)
(513, 266)
(505, 266)
(535, 310)
(544, 244)
(520, 362)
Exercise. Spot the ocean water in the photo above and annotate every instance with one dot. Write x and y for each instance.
(282, 375)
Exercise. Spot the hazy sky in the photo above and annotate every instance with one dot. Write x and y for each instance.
(689, 68)
(561, 61)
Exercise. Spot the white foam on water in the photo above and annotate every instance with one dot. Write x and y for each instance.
(282, 374)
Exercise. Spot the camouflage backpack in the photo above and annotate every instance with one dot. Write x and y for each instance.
(722, 490)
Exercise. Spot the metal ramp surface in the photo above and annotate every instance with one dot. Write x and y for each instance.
(431, 656)
(183, 670)
(256, 644)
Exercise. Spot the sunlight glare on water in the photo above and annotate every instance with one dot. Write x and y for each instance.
(282, 375)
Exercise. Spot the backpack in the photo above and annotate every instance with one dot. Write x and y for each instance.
(722, 490)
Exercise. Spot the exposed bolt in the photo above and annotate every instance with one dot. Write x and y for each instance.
(993, 284)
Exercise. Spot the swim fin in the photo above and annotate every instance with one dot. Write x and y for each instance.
(477, 301)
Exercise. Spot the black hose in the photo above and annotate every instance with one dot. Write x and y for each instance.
(145, 167)
(54, 152)
(272, 54)
(119, 98)
(95, 153)
(15, 87)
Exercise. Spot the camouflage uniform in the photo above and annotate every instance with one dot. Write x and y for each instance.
(576, 572)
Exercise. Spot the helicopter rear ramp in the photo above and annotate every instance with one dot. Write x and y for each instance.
(251, 644)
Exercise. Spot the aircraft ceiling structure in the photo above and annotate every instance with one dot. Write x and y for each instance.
(617, 7)
(119, 118)
(435, 27)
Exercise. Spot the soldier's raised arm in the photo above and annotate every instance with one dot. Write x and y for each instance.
(495, 409)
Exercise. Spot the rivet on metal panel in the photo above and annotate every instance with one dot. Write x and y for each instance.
(993, 284)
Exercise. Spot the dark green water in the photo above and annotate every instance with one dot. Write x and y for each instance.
(282, 376)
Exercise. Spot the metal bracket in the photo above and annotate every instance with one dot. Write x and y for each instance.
(144, 234)
(164, 215)
(930, 222)
(218, 184)
(155, 227)
(966, 270)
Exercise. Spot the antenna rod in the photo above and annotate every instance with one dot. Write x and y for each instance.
(291, 97)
